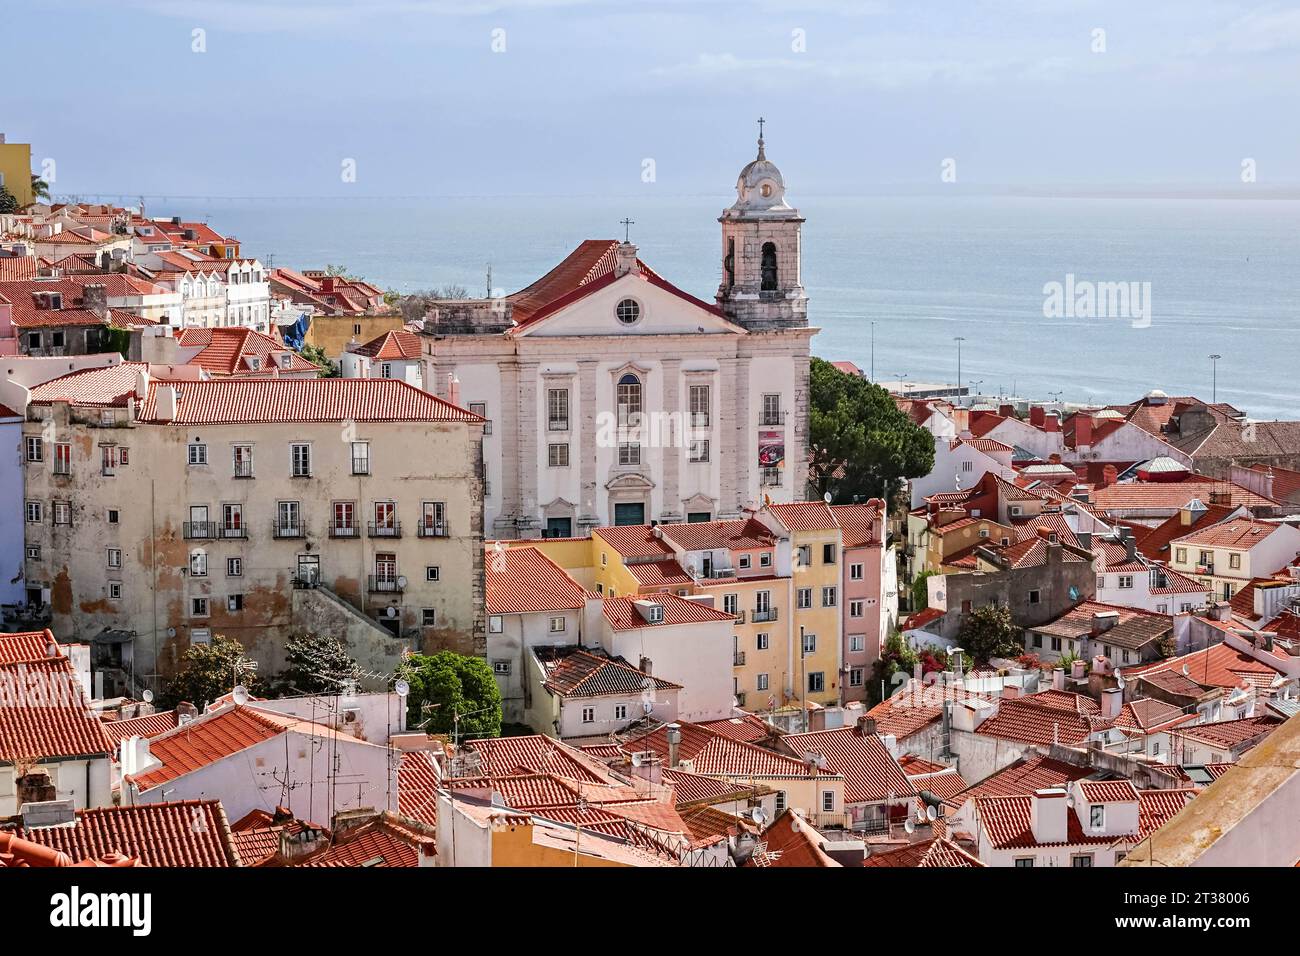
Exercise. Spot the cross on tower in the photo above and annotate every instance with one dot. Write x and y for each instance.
(761, 121)
(627, 228)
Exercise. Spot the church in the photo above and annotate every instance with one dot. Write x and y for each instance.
(614, 397)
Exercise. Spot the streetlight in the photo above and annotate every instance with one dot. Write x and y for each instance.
(1214, 378)
(959, 340)
(873, 352)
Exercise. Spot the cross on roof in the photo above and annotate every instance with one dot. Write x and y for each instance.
(627, 228)
(761, 121)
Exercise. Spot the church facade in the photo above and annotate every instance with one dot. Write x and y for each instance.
(617, 398)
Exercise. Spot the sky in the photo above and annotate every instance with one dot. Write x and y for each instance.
(619, 97)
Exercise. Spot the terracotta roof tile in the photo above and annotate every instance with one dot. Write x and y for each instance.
(524, 581)
(150, 725)
(52, 715)
(622, 613)
(417, 783)
(574, 672)
(870, 772)
(185, 833)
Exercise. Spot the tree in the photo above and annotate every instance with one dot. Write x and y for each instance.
(315, 664)
(210, 670)
(897, 656)
(40, 188)
(921, 591)
(988, 632)
(8, 201)
(446, 685)
(316, 355)
(416, 305)
(341, 272)
(862, 444)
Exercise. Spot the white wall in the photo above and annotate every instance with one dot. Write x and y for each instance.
(697, 656)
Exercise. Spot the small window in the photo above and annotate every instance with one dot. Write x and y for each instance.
(857, 642)
(34, 515)
(765, 559)
(432, 572)
(429, 617)
(855, 609)
(198, 564)
(557, 455)
(1234, 560)
(629, 453)
(855, 572)
(480, 409)
(805, 598)
(234, 602)
(762, 642)
(114, 557)
(810, 644)
(301, 460)
(501, 668)
(1034, 596)
(780, 801)
(1083, 860)
(113, 516)
(34, 552)
(1097, 816)
(63, 458)
(628, 311)
(830, 597)
(361, 458)
(620, 711)
(496, 624)
(198, 607)
(198, 454)
(856, 676)
(1126, 581)
(828, 801)
(1180, 555)
(828, 554)
(762, 683)
(557, 625)
(62, 512)
(1024, 862)
(816, 682)
(35, 448)
(115, 590)
(743, 563)
(234, 567)
(700, 450)
(589, 715)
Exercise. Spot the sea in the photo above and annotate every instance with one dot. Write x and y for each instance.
(892, 280)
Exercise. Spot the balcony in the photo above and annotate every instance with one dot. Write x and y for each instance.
(233, 531)
(344, 531)
(772, 418)
(740, 698)
(738, 658)
(1205, 567)
(286, 529)
(360, 466)
(199, 530)
(557, 425)
(243, 469)
(384, 584)
(740, 617)
(699, 419)
(832, 821)
(435, 530)
(390, 529)
(762, 616)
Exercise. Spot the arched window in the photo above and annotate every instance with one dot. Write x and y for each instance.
(769, 267)
(629, 400)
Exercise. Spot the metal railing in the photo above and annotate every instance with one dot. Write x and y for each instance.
(344, 531)
(384, 584)
(762, 616)
(557, 424)
(386, 530)
(199, 530)
(286, 529)
(360, 466)
(738, 658)
(436, 530)
(243, 469)
(773, 418)
(233, 531)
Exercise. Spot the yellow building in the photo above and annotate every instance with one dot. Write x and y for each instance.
(332, 333)
(1226, 556)
(16, 170)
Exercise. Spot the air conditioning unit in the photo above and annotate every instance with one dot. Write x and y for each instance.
(351, 715)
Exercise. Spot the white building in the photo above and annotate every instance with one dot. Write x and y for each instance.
(960, 463)
(617, 398)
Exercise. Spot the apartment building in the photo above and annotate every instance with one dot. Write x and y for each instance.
(1224, 557)
(160, 513)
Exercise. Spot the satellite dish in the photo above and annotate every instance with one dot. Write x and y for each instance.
(909, 826)
(148, 696)
(401, 581)
(171, 632)
(239, 694)
(931, 814)
(402, 688)
(827, 497)
(647, 706)
(1186, 670)
(758, 815)
(390, 611)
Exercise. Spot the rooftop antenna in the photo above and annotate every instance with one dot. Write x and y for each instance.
(489, 281)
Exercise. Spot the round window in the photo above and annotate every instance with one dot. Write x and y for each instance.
(765, 189)
(628, 311)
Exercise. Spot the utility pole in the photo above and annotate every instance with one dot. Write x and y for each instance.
(803, 681)
(873, 352)
(1214, 377)
(959, 340)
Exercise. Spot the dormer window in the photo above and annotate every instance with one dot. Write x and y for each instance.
(254, 362)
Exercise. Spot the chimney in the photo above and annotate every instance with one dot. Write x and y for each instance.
(1058, 678)
(1112, 701)
(1220, 611)
(1103, 621)
(1109, 474)
(453, 389)
(52, 648)
(1082, 430)
(1130, 545)
(1052, 423)
(625, 259)
(674, 745)
(1007, 411)
(164, 403)
(1048, 816)
(866, 726)
(1010, 691)
(1038, 416)
(1076, 668)
(185, 712)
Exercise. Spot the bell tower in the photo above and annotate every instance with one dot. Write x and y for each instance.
(761, 283)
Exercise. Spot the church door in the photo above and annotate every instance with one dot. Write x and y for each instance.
(626, 512)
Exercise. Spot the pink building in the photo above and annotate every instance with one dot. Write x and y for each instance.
(867, 604)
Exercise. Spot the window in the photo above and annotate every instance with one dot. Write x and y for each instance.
(34, 512)
(805, 598)
(816, 682)
(1034, 596)
(480, 409)
(700, 450)
(1206, 558)
(810, 644)
(300, 456)
(234, 602)
(855, 572)
(780, 801)
(628, 311)
(56, 340)
(557, 455)
(730, 602)
(63, 458)
(763, 606)
(1101, 582)
(620, 711)
(830, 596)
(857, 642)
(1024, 862)
(109, 459)
(241, 460)
(345, 515)
(967, 466)
(428, 617)
(33, 340)
(495, 624)
(386, 370)
(629, 453)
(113, 516)
(361, 458)
(589, 715)
(772, 409)
(1015, 511)
(557, 625)
(1126, 581)
(629, 400)
(62, 512)
(855, 609)
(803, 556)
(198, 607)
(557, 409)
(287, 519)
(234, 567)
(828, 801)
(356, 328)
(1180, 555)
(198, 454)
(432, 572)
(115, 590)
(232, 521)
(501, 668)
(762, 642)
(699, 406)
(35, 448)
(743, 563)
(34, 552)
(856, 675)
(1038, 640)
(198, 564)
(1056, 643)
(1097, 816)
(762, 682)
(385, 517)
(765, 559)
(828, 554)
(1234, 561)
(1084, 860)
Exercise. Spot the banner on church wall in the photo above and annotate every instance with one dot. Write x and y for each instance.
(771, 449)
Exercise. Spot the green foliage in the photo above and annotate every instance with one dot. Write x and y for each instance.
(898, 656)
(862, 444)
(208, 671)
(40, 188)
(446, 684)
(315, 664)
(316, 355)
(920, 592)
(118, 340)
(8, 201)
(988, 632)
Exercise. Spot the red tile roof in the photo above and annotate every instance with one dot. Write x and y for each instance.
(937, 852)
(1108, 791)
(508, 756)
(660, 574)
(185, 833)
(18, 268)
(870, 772)
(1023, 778)
(622, 613)
(397, 344)
(384, 842)
(1154, 543)
(1148, 716)
(746, 535)
(1230, 733)
(49, 715)
(579, 673)
(1007, 821)
(1047, 717)
(526, 581)
(150, 725)
(108, 386)
(417, 783)
(254, 401)
(694, 787)
(633, 541)
(1158, 807)
(805, 516)
(791, 841)
(1133, 627)
(748, 728)
(1172, 495)
(714, 755)
(1220, 665)
(26, 646)
(1240, 533)
(228, 351)
(859, 523)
